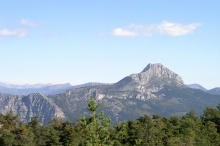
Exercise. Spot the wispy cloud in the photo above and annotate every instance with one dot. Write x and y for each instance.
(175, 29)
(27, 22)
(18, 32)
(123, 32)
(165, 27)
(15, 33)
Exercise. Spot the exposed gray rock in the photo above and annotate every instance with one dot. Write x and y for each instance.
(116, 98)
(151, 79)
(30, 106)
(155, 90)
(160, 71)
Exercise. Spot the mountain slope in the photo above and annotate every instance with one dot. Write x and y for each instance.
(30, 106)
(155, 90)
(215, 91)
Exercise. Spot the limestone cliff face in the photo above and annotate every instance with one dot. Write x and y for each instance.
(155, 71)
(142, 87)
(30, 106)
(151, 79)
(159, 71)
(155, 90)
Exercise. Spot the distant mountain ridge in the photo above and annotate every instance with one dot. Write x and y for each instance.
(46, 89)
(155, 90)
(197, 86)
(214, 91)
(25, 86)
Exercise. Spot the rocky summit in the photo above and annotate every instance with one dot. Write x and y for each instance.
(151, 79)
(160, 71)
(155, 90)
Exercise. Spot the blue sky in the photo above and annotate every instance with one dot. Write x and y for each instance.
(103, 41)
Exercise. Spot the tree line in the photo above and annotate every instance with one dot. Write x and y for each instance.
(96, 130)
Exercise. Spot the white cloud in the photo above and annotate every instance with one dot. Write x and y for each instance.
(28, 22)
(121, 32)
(168, 28)
(175, 29)
(19, 32)
(16, 33)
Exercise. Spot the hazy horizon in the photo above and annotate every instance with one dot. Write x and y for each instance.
(103, 41)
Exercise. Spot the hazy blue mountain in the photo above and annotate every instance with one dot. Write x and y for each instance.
(197, 86)
(155, 90)
(215, 91)
(26, 86)
(46, 89)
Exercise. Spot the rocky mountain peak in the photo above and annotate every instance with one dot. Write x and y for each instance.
(151, 79)
(152, 66)
(159, 70)
(156, 71)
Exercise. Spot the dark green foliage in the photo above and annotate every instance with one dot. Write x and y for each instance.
(95, 130)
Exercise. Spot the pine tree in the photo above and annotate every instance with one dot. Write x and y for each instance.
(96, 126)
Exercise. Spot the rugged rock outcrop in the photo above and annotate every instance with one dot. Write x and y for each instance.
(30, 106)
(151, 79)
(158, 70)
(155, 90)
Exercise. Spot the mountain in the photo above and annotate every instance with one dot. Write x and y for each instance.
(155, 90)
(46, 89)
(27, 89)
(29, 106)
(215, 91)
(197, 86)
(26, 86)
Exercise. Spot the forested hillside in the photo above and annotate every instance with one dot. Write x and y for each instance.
(96, 130)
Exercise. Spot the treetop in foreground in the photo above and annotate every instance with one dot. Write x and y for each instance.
(96, 130)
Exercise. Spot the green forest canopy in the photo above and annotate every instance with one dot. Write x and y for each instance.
(96, 130)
